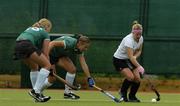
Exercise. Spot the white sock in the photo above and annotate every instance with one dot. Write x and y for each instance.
(70, 79)
(45, 85)
(33, 77)
(43, 74)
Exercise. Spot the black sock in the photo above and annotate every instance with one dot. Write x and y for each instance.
(134, 89)
(125, 85)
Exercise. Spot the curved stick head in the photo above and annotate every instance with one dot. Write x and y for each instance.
(117, 100)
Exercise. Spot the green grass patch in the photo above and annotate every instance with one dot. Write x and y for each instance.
(20, 97)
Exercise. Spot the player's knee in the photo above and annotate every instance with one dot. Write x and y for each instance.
(73, 70)
(137, 79)
(130, 78)
(47, 66)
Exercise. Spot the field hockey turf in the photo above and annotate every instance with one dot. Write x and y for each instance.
(20, 97)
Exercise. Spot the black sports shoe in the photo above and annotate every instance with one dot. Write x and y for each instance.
(36, 96)
(70, 96)
(45, 98)
(123, 97)
(133, 99)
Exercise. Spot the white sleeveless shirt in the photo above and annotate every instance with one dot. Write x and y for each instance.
(127, 41)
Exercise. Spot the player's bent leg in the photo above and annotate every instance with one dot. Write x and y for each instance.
(133, 91)
(45, 86)
(68, 94)
(134, 88)
(34, 70)
(126, 83)
(33, 77)
(123, 92)
(43, 74)
(70, 79)
(68, 65)
(36, 96)
(48, 82)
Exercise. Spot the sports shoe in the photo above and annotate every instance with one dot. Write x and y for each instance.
(36, 96)
(45, 98)
(133, 99)
(123, 97)
(71, 95)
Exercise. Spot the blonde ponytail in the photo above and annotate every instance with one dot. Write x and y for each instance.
(135, 22)
(43, 23)
(136, 25)
(36, 25)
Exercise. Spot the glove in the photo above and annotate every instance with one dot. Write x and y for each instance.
(91, 82)
(140, 69)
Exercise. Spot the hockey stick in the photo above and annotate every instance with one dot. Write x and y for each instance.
(152, 87)
(107, 94)
(65, 82)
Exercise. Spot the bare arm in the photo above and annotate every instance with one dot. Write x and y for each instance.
(132, 57)
(138, 52)
(56, 44)
(84, 65)
(45, 48)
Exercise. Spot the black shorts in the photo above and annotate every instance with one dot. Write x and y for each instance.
(120, 64)
(53, 59)
(23, 49)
